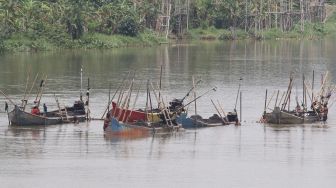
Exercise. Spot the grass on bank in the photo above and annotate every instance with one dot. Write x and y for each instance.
(46, 42)
(311, 30)
(53, 40)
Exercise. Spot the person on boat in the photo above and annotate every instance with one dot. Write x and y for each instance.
(325, 112)
(313, 105)
(6, 107)
(107, 121)
(298, 109)
(45, 109)
(35, 110)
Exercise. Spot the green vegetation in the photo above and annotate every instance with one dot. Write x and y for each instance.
(311, 30)
(35, 25)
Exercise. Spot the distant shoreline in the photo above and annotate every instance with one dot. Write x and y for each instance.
(23, 43)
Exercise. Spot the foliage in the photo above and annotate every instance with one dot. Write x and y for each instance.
(45, 24)
(128, 27)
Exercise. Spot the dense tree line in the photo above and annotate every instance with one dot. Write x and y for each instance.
(73, 18)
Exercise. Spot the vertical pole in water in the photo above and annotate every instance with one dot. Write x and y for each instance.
(146, 109)
(88, 100)
(313, 87)
(265, 102)
(6, 109)
(303, 90)
(289, 100)
(217, 110)
(240, 102)
(193, 79)
(25, 92)
(151, 105)
(81, 87)
(160, 87)
(109, 99)
(276, 100)
(237, 97)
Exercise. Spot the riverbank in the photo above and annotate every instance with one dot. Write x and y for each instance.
(32, 43)
(311, 31)
(56, 41)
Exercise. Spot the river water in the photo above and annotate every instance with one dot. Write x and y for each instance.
(251, 155)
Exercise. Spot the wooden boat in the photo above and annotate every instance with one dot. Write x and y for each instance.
(278, 116)
(120, 119)
(113, 126)
(125, 122)
(140, 115)
(196, 121)
(300, 115)
(134, 115)
(76, 113)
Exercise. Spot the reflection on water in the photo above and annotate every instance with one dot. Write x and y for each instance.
(251, 155)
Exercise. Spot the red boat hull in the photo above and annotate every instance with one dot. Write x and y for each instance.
(130, 116)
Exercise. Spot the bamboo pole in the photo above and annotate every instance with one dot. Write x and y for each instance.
(212, 89)
(160, 85)
(282, 96)
(151, 104)
(307, 90)
(39, 96)
(26, 87)
(237, 96)
(81, 85)
(135, 100)
(303, 90)
(147, 99)
(217, 110)
(323, 83)
(109, 98)
(122, 91)
(289, 99)
(88, 112)
(127, 102)
(31, 88)
(121, 94)
(40, 87)
(10, 100)
(276, 99)
(6, 109)
(222, 109)
(305, 94)
(241, 108)
(265, 102)
(269, 101)
(313, 86)
(110, 101)
(59, 107)
(193, 79)
(287, 96)
(122, 111)
(164, 110)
